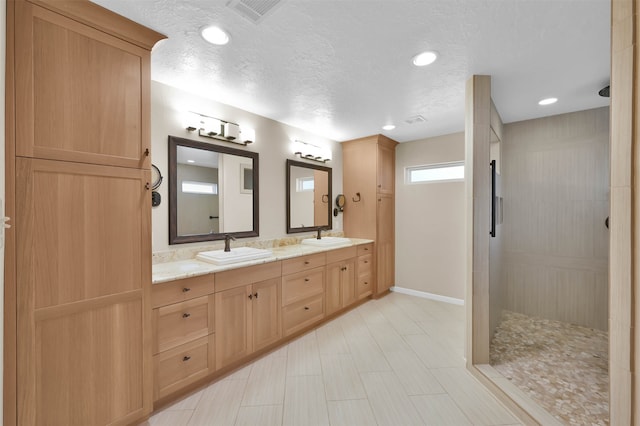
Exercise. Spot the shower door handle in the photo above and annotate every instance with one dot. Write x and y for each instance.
(606, 222)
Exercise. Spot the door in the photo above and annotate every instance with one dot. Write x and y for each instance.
(348, 282)
(333, 294)
(267, 327)
(386, 169)
(385, 251)
(233, 325)
(83, 318)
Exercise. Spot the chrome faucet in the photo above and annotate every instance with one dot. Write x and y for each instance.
(227, 242)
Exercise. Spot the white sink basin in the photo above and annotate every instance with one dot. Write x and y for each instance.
(326, 241)
(238, 254)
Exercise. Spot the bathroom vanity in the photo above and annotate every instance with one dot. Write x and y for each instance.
(211, 319)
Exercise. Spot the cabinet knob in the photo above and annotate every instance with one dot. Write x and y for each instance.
(251, 296)
(306, 280)
(146, 152)
(186, 315)
(255, 294)
(366, 283)
(306, 262)
(306, 308)
(366, 261)
(186, 289)
(186, 358)
(147, 186)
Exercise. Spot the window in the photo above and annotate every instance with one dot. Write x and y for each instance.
(442, 172)
(304, 184)
(190, 187)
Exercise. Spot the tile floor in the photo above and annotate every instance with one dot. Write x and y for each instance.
(393, 361)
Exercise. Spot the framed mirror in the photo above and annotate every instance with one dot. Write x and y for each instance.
(213, 191)
(308, 197)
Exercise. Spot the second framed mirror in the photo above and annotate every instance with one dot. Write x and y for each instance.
(309, 199)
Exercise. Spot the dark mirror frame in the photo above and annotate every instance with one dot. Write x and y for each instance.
(174, 238)
(291, 163)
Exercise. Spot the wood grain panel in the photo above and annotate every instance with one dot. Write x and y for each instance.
(385, 244)
(266, 313)
(233, 325)
(180, 290)
(81, 212)
(185, 364)
(57, 123)
(365, 249)
(302, 314)
(302, 285)
(243, 276)
(333, 290)
(358, 158)
(303, 263)
(94, 356)
(339, 255)
(181, 322)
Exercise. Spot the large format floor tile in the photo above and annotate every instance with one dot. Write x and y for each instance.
(393, 361)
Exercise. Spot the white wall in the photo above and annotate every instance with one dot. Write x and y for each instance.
(273, 143)
(430, 221)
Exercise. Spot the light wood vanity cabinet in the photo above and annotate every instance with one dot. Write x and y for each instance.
(78, 278)
(364, 271)
(303, 284)
(183, 326)
(341, 274)
(247, 313)
(369, 185)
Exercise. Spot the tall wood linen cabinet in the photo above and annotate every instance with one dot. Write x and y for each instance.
(369, 186)
(78, 258)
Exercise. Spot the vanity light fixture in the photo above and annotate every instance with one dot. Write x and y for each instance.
(425, 58)
(215, 35)
(311, 152)
(214, 128)
(548, 101)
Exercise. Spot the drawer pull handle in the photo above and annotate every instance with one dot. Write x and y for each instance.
(306, 262)
(251, 296)
(306, 308)
(366, 261)
(306, 280)
(366, 283)
(255, 295)
(186, 289)
(186, 358)
(186, 315)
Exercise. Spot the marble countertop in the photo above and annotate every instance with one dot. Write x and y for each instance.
(169, 271)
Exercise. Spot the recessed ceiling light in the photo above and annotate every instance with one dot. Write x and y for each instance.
(215, 35)
(548, 101)
(424, 58)
(388, 127)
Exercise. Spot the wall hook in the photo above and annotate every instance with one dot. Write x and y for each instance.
(356, 200)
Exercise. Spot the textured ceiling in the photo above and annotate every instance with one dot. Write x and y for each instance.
(342, 68)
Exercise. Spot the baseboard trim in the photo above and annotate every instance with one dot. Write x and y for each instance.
(426, 295)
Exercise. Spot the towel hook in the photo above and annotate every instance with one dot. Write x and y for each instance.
(356, 200)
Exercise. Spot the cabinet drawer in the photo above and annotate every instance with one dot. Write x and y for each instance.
(364, 264)
(364, 286)
(302, 285)
(180, 290)
(301, 314)
(341, 254)
(248, 275)
(365, 249)
(303, 263)
(183, 365)
(182, 322)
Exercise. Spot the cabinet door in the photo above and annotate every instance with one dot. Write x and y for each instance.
(386, 169)
(83, 284)
(233, 325)
(84, 94)
(348, 282)
(333, 293)
(267, 328)
(385, 252)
